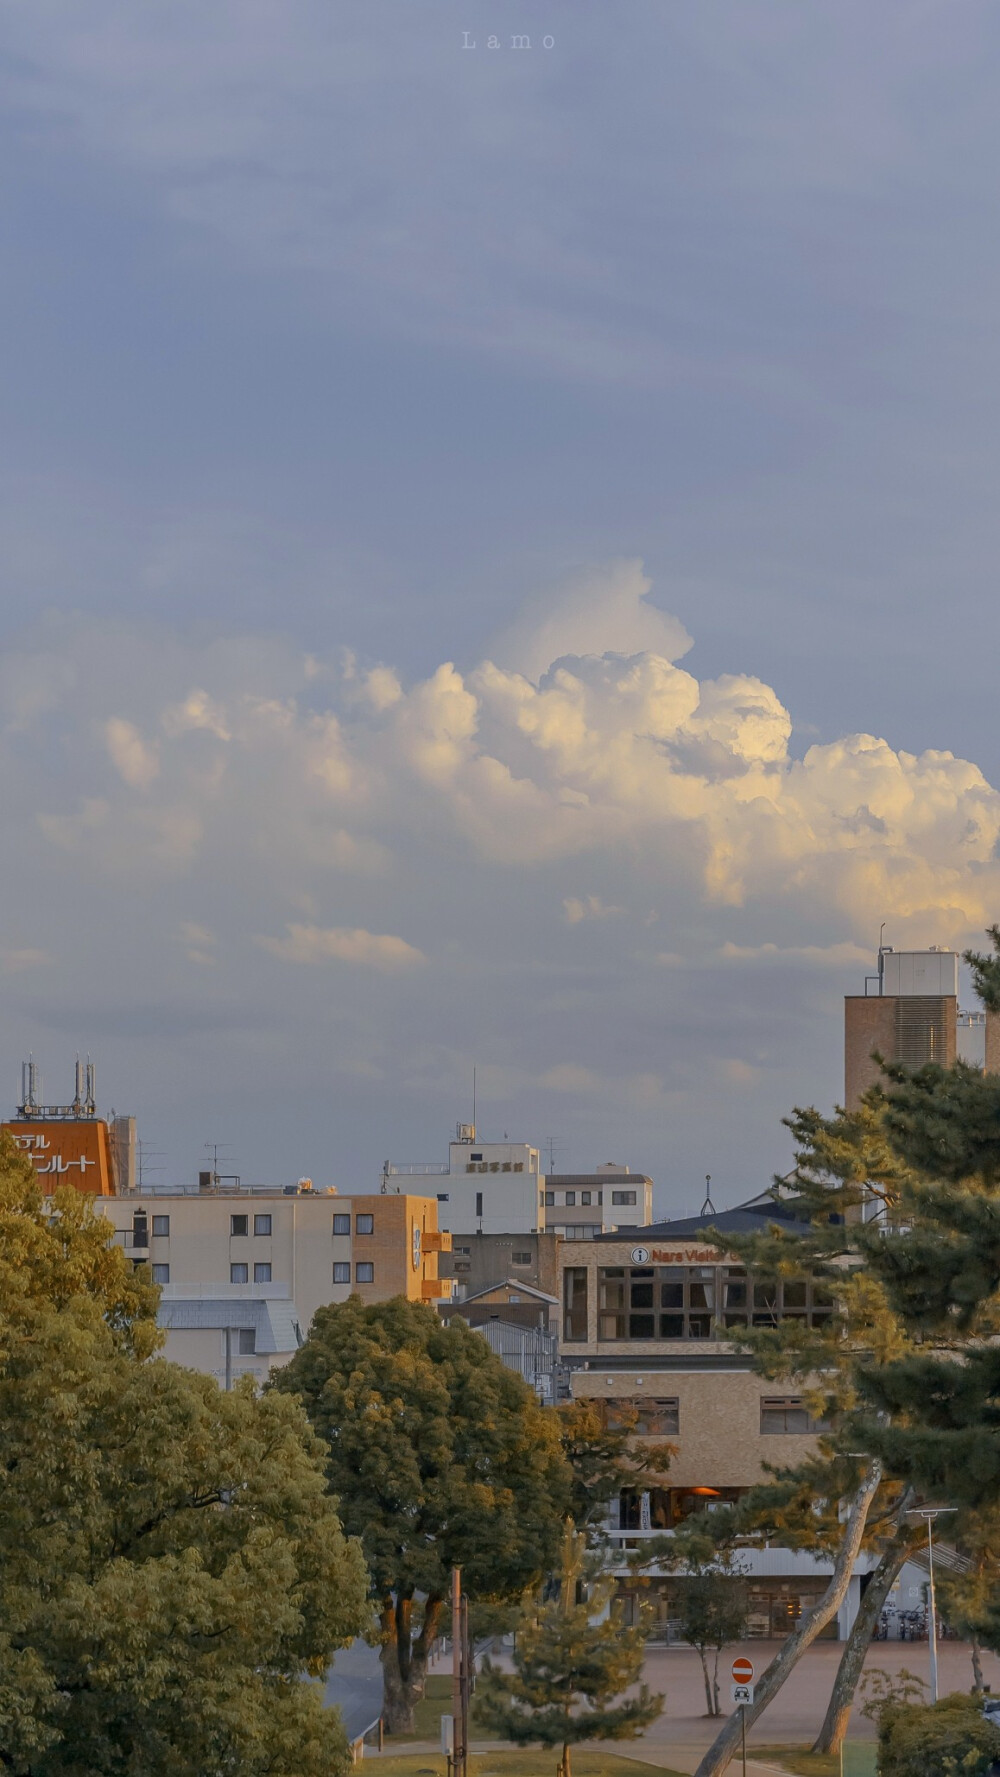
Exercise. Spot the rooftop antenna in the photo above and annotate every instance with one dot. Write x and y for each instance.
(473, 1101)
(708, 1207)
(90, 1101)
(78, 1088)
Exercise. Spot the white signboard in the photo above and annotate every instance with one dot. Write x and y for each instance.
(742, 1693)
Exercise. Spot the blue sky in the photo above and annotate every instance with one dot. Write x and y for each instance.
(332, 349)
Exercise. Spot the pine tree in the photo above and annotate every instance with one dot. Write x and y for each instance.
(604, 1456)
(842, 1162)
(572, 1659)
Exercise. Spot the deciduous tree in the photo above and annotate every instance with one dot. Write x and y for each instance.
(439, 1456)
(170, 1561)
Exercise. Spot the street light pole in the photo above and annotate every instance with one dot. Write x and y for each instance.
(930, 1513)
(933, 1610)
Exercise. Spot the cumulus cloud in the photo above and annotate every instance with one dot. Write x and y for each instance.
(574, 876)
(323, 944)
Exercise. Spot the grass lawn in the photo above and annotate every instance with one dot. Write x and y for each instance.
(435, 1702)
(798, 1759)
(539, 1762)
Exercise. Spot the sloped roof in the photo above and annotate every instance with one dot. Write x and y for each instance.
(751, 1217)
(513, 1283)
(275, 1323)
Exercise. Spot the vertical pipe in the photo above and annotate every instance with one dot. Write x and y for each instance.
(229, 1358)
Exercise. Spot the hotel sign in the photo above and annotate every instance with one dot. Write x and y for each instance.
(72, 1152)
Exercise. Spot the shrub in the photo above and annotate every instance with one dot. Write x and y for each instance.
(951, 1738)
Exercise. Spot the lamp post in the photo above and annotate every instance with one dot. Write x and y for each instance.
(930, 1513)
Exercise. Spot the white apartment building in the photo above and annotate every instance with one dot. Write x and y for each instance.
(484, 1187)
(498, 1188)
(242, 1273)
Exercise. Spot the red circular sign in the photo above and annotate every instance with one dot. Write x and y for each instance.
(742, 1671)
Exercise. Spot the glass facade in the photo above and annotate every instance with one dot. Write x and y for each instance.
(699, 1301)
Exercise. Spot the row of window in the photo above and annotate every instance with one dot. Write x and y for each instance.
(686, 1301)
(240, 1273)
(239, 1226)
(780, 1416)
(619, 1199)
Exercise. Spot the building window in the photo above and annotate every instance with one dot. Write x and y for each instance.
(341, 1273)
(364, 1224)
(475, 1156)
(342, 1224)
(520, 1258)
(262, 1224)
(623, 1197)
(584, 1196)
(238, 1274)
(550, 1199)
(262, 1272)
(479, 1203)
(570, 1199)
(161, 1227)
(701, 1302)
(653, 1418)
(238, 1224)
(248, 1341)
(575, 1302)
(161, 1273)
(787, 1415)
(364, 1273)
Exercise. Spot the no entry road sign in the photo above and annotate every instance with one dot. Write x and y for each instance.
(743, 1671)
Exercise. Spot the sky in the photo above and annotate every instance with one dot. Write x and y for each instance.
(497, 556)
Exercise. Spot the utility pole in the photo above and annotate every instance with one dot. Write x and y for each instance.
(458, 1735)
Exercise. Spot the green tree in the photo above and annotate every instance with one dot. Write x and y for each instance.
(841, 1163)
(439, 1456)
(605, 1454)
(572, 1660)
(710, 1599)
(170, 1562)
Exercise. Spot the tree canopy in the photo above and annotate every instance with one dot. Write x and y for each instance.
(439, 1456)
(170, 1561)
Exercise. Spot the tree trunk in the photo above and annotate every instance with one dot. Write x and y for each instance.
(703, 1657)
(838, 1714)
(726, 1742)
(404, 1659)
(565, 1770)
(977, 1668)
(715, 1683)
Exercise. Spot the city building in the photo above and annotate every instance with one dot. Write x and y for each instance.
(70, 1144)
(644, 1324)
(476, 1261)
(498, 1188)
(909, 1013)
(484, 1187)
(242, 1273)
(581, 1205)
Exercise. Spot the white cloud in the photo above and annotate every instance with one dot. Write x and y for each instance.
(323, 944)
(445, 826)
(134, 761)
(587, 907)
